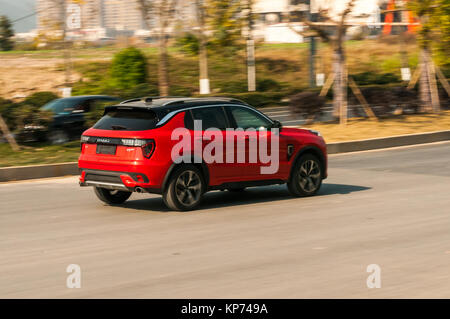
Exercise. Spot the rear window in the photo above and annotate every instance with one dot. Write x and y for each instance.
(127, 120)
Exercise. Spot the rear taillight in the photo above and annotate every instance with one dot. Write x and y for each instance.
(148, 148)
(84, 139)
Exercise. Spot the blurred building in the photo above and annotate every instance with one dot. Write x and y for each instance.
(273, 24)
(108, 18)
(99, 18)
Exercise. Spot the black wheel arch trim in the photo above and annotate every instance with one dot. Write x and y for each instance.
(204, 169)
(315, 151)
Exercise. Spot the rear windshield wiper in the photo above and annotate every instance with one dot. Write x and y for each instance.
(118, 127)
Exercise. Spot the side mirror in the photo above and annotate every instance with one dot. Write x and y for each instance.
(277, 124)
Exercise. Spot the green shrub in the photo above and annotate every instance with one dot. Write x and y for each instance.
(128, 68)
(264, 85)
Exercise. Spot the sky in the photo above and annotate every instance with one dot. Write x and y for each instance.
(16, 9)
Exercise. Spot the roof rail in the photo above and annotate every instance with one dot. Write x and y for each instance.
(228, 99)
(149, 99)
(203, 99)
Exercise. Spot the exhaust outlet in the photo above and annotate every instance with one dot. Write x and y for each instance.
(139, 190)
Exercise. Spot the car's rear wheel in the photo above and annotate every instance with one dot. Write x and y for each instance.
(58, 137)
(185, 189)
(111, 197)
(306, 178)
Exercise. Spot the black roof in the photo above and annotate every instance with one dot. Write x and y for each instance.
(164, 105)
(171, 101)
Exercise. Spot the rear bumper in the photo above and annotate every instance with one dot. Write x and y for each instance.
(124, 181)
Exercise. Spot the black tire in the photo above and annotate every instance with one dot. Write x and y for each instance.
(185, 189)
(236, 190)
(57, 137)
(111, 197)
(306, 178)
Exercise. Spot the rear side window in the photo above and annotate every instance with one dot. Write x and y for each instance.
(127, 120)
(246, 118)
(211, 117)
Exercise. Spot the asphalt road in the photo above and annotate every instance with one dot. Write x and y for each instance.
(389, 208)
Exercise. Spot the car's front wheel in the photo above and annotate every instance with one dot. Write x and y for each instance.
(185, 189)
(111, 197)
(306, 178)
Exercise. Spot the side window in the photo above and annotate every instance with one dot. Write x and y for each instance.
(246, 118)
(83, 106)
(88, 105)
(210, 117)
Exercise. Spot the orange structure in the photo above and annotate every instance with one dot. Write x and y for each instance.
(389, 19)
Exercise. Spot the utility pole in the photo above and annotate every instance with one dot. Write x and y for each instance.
(251, 65)
(312, 48)
(203, 51)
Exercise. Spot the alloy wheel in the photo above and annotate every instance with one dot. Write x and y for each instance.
(309, 176)
(188, 188)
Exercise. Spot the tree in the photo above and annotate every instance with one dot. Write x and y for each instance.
(423, 10)
(6, 34)
(248, 22)
(224, 22)
(336, 39)
(433, 17)
(163, 12)
(441, 19)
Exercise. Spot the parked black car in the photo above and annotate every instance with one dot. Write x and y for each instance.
(69, 119)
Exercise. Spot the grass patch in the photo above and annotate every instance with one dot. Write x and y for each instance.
(359, 129)
(39, 154)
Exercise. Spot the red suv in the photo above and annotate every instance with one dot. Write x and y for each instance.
(135, 147)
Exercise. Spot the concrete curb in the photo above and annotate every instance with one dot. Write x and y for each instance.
(37, 171)
(55, 170)
(386, 142)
